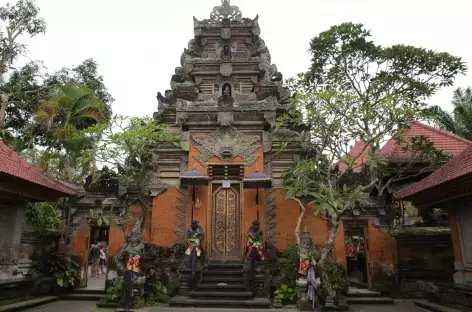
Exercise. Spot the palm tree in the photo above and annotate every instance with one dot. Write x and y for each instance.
(460, 120)
(70, 108)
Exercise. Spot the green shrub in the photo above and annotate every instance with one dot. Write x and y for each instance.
(115, 290)
(286, 293)
(50, 261)
(337, 278)
(160, 291)
(289, 267)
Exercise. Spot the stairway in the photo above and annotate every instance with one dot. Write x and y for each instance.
(222, 285)
(364, 296)
(84, 294)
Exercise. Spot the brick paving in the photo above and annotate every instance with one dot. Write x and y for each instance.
(86, 306)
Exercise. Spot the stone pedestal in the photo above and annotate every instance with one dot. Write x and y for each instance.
(261, 279)
(186, 281)
(138, 292)
(303, 304)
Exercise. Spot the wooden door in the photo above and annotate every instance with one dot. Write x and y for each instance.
(225, 223)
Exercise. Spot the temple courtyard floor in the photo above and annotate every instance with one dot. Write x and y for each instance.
(81, 306)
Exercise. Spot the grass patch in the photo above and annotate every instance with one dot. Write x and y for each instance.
(105, 310)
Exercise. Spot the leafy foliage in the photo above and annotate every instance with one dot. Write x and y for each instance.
(335, 278)
(51, 261)
(289, 267)
(160, 292)
(286, 293)
(114, 290)
(460, 120)
(43, 215)
(128, 146)
(357, 91)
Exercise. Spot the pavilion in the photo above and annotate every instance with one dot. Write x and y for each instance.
(450, 188)
(20, 183)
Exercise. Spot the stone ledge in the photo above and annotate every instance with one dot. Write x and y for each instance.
(27, 304)
(433, 306)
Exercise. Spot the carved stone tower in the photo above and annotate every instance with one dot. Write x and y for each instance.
(222, 101)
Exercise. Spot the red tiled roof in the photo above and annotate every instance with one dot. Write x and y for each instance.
(455, 168)
(12, 164)
(442, 140)
(355, 151)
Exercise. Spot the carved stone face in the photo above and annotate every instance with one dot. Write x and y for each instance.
(226, 49)
(194, 225)
(306, 241)
(255, 226)
(134, 239)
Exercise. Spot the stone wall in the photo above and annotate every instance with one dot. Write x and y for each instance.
(11, 224)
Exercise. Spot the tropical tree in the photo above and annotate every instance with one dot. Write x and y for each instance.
(460, 120)
(357, 91)
(128, 147)
(19, 19)
(70, 110)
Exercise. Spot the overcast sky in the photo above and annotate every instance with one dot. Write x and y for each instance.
(138, 43)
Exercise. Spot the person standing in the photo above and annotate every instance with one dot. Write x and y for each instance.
(95, 256)
(103, 258)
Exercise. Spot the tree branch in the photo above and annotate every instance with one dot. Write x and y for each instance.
(299, 221)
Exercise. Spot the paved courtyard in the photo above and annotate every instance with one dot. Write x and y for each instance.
(81, 306)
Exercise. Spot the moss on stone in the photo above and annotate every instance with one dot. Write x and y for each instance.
(421, 231)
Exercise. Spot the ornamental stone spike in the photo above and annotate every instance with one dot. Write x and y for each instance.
(226, 11)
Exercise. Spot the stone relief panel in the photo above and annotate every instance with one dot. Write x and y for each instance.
(226, 143)
(182, 202)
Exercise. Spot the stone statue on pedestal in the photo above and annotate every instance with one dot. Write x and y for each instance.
(254, 242)
(130, 255)
(194, 251)
(307, 281)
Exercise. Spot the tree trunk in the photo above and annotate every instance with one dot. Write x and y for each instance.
(329, 243)
(3, 111)
(299, 221)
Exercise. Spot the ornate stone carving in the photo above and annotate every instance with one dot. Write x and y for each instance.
(267, 142)
(226, 33)
(226, 143)
(225, 118)
(256, 30)
(182, 202)
(270, 117)
(226, 11)
(181, 118)
(269, 205)
(226, 69)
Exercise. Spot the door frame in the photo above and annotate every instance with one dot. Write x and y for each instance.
(367, 254)
(211, 188)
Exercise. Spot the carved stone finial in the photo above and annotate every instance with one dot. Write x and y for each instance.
(226, 12)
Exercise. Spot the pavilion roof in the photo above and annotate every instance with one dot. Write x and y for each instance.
(13, 165)
(444, 141)
(457, 167)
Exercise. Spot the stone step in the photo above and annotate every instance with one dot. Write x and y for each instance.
(90, 291)
(224, 294)
(370, 300)
(19, 306)
(433, 306)
(81, 296)
(230, 280)
(208, 286)
(180, 301)
(360, 292)
(218, 272)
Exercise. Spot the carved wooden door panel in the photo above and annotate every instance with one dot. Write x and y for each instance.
(225, 242)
